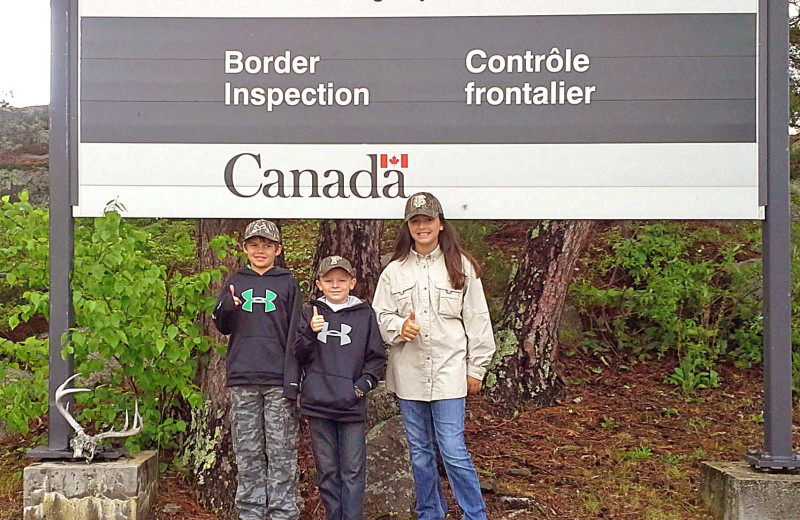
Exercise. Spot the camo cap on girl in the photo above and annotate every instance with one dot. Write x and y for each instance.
(423, 203)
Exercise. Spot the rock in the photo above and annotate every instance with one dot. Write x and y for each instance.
(528, 504)
(381, 406)
(102, 376)
(390, 483)
(570, 329)
(489, 485)
(15, 374)
(171, 509)
(519, 472)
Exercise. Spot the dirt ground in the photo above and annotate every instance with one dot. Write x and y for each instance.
(621, 445)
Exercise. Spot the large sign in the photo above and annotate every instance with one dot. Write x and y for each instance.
(602, 109)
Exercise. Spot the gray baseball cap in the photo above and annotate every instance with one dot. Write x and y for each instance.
(262, 228)
(329, 263)
(423, 203)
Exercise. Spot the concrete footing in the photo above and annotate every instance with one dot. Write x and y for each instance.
(735, 491)
(120, 490)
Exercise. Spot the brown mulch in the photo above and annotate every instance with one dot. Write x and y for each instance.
(176, 501)
(621, 444)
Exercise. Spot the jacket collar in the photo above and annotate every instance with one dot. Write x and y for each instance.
(430, 257)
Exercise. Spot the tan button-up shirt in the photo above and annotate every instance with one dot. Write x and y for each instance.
(455, 337)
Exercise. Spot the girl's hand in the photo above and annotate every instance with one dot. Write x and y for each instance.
(236, 300)
(410, 328)
(317, 321)
(473, 385)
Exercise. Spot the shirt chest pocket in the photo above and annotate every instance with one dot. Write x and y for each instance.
(402, 294)
(451, 300)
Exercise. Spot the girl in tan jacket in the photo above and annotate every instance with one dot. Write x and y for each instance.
(432, 312)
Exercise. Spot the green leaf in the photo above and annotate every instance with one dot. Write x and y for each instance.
(172, 331)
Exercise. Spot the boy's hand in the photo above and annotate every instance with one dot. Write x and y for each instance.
(317, 321)
(473, 385)
(410, 328)
(236, 300)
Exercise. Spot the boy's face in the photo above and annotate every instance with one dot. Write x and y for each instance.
(336, 285)
(261, 252)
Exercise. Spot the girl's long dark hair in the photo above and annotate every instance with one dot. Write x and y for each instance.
(450, 244)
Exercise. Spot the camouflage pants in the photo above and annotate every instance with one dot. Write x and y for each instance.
(265, 438)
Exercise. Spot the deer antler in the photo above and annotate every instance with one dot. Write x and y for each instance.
(84, 445)
(125, 432)
(61, 392)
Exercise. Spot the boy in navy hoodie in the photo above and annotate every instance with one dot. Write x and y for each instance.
(340, 347)
(258, 307)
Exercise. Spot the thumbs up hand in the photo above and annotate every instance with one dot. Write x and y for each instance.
(236, 300)
(410, 328)
(317, 320)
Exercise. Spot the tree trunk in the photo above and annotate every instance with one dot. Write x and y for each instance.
(209, 448)
(360, 242)
(527, 338)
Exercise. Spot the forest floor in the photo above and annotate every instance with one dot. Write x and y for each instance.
(621, 444)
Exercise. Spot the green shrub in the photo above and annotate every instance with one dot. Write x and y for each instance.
(669, 287)
(676, 287)
(135, 319)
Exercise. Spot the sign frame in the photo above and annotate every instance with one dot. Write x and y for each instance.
(774, 194)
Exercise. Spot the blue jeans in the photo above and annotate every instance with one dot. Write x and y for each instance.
(441, 422)
(340, 454)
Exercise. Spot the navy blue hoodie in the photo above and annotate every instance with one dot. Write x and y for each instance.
(261, 328)
(348, 354)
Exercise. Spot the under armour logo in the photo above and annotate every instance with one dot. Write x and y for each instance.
(344, 335)
(267, 300)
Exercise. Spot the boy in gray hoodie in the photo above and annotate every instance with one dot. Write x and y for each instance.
(340, 348)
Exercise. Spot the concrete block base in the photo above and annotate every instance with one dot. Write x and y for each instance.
(119, 490)
(735, 491)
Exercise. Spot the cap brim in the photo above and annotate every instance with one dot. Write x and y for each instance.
(426, 212)
(331, 268)
(248, 237)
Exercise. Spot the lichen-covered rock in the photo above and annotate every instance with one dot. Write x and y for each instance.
(381, 406)
(390, 483)
(570, 330)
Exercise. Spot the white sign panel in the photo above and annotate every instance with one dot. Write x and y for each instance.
(595, 110)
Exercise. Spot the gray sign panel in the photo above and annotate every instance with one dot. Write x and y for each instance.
(657, 79)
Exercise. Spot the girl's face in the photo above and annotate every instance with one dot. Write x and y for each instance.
(425, 232)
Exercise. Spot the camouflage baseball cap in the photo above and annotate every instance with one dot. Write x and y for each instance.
(262, 228)
(329, 263)
(423, 203)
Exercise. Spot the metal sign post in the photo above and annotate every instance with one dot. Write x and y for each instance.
(777, 250)
(62, 160)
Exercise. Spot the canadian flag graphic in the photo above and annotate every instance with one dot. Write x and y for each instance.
(393, 160)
